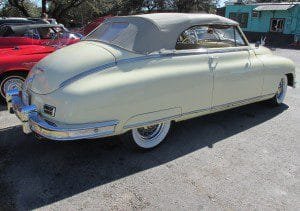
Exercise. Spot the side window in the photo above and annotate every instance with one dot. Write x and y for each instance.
(210, 37)
(6, 31)
(46, 33)
(239, 40)
(277, 24)
(29, 33)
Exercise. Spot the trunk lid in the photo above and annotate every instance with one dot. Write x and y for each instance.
(66, 63)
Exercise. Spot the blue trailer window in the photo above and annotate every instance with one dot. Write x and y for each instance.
(277, 25)
(255, 14)
(240, 17)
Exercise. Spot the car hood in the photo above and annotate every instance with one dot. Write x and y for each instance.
(26, 50)
(69, 62)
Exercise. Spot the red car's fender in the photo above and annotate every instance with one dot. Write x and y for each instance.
(7, 42)
(10, 42)
(22, 58)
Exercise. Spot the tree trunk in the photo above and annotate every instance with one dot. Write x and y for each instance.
(44, 3)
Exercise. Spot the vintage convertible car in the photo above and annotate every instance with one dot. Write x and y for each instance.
(21, 47)
(137, 74)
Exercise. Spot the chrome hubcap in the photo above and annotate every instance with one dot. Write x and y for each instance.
(150, 136)
(13, 83)
(150, 132)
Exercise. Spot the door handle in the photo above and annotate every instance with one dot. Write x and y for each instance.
(248, 65)
(214, 57)
(213, 61)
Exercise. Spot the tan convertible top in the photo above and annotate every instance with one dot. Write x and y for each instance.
(153, 32)
(185, 20)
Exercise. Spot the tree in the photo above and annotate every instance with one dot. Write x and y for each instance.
(58, 9)
(18, 8)
(157, 5)
(194, 5)
(179, 5)
(83, 11)
(20, 5)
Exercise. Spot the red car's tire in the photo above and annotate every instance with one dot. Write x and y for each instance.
(11, 81)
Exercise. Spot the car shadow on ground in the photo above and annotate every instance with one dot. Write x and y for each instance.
(35, 174)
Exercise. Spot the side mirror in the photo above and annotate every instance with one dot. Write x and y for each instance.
(257, 44)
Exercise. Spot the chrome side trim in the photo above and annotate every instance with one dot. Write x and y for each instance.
(86, 73)
(124, 61)
(170, 53)
(228, 50)
(105, 66)
(197, 111)
(235, 104)
(230, 105)
(71, 132)
(211, 110)
(36, 118)
(137, 59)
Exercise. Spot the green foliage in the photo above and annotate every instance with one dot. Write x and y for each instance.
(83, 11)
(9, 8)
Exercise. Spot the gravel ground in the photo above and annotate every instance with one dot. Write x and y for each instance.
(245, 158)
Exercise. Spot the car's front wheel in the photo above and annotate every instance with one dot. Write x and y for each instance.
(281, 91)
(10, 82)
(148, 137)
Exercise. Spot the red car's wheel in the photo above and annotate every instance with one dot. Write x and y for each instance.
(10, 82)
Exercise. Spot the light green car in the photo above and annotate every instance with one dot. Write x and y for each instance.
(138, 74)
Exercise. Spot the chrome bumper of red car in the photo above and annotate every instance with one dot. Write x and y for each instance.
(33, 122)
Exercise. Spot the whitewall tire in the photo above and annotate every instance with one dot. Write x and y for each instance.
(11, 82)
(150, 136)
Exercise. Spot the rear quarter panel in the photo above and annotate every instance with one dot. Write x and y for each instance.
(134, 92)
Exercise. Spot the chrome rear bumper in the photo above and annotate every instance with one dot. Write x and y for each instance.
(32, 121)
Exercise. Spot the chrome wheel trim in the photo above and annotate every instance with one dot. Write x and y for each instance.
(10, 83)
(281, 90)
(150, 136)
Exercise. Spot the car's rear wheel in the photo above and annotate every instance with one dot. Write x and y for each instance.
(10, 82)
(281, 91)
(148, 137)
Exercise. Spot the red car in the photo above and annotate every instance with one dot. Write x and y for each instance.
(91, 26)
(35, 34)
(21, 47)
